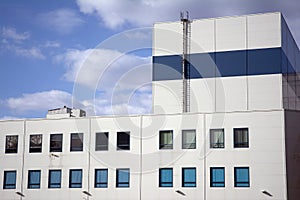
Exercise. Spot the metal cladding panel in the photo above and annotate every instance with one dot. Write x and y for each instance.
(231, 94)
(167, 67)
(231, 33)
(264, 30)
(167, 39)
(203, 36)
(265, 92)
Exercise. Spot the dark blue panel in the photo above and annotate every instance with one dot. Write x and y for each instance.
(231, 63)
(202, 65)
(167, 67)
(264, 61)
(284, 63)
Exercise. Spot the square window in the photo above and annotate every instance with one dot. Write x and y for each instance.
(241, 177)
(9, 180)
(217, 177)
(188, 177)
(56, 142)
(101, 176)
(101, 141)
(54, 179)
(35, 145)
(165, 139)
(75, 178)
(76, 142)
(188, 139)
(34, 179)
(241, 138)
(217, 138)
(11, 145)
(123, 176)
(166, 177)
(123, 141)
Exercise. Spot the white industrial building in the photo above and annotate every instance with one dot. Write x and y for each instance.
(225, 125)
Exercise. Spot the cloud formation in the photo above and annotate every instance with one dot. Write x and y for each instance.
(11, 33)
(39, 101)
(63, 21)
(120, 80)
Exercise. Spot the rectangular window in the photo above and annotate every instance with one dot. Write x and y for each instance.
(166, 177)
(217, 177)
(11, 145)
(123, 141)
(241, 177)
(35, 145)
(76, 142)
(165, 139)
(9, 180)
(188, 177)
(75, 178)
(217, 138)
(101, 176)
(123, 176)
(188, 139)
(56, 142)
(101, 141)
(54, 179)
(34, 179)
(241, 138)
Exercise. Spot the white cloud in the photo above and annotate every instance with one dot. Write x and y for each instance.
(62, 21)
(11, 33)
(118, 80)
(52, 44)
(32, 52)
(40, 101)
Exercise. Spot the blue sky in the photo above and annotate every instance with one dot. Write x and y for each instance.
(95, 54)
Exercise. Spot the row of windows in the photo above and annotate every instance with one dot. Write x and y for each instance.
(75, 178)
(241, 140)
(217, 178)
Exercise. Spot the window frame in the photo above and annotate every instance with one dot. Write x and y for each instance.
(163, 183)
(102, 146)
(185, 144)
(235, 138)
(122, 184)
(6, 185)
(73, 184)
(214, 183)
(54, 148)
(216, 145)
(35, 148)
(188, 183)
(101, 184)
(79, 146)
(241, 183)
(122, 146)
(52, 185)
(31, 185)
(163, 144)
(8, 149)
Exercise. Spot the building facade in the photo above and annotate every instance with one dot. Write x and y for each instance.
(238, 140)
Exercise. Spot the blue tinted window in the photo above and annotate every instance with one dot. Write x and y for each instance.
(54, 179)
(123, 177)
(167, 67)
(166, 177)
(101, 178)
(188, 177)
(217, 177)
(75, 179)
(241, 177)
(9, 180)
(231, 63)
(34, 179)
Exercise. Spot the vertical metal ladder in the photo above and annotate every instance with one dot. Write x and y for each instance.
(186, 34)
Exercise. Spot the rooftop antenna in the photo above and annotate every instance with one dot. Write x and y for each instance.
(186, 38)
